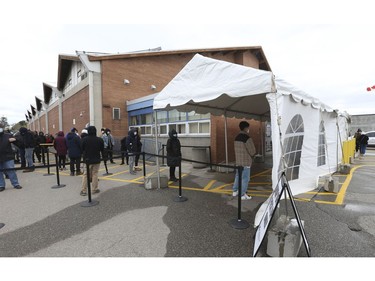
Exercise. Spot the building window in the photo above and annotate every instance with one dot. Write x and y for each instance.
(204, 127)
(146, 119)
(79, 73)
(196, 116)
(184, 123)
(175, 116)
(321, 146)
(116, 113)
(84, 75)
(293, 147)
(162, 116)
(133, 121)
(180, 128)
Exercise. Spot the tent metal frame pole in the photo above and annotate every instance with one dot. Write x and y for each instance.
(226, 141)
(156, 147)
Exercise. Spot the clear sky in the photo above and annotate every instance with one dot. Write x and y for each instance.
(327, 52)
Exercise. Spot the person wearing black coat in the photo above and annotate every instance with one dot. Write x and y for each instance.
(124, 152)
(74, 152)
(29, 144)
(43, 149)
(37, 148)
(92, 148)
(173, 154)
(131, 145)
(7, 160)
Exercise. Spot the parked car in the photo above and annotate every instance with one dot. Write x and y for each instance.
(371, 138)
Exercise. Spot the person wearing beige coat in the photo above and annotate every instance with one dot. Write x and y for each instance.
(244, 149)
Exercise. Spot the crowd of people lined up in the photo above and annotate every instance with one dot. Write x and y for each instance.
(89, 149)
(26, 147)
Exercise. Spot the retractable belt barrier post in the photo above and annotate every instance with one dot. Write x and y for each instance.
(144, 163)
(144, 168)
(239, 223)
(106, 169)
(57, 174)
(90, 202)
(209, 153)
(48, 171)
(180, 198)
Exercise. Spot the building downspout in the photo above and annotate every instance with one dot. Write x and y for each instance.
(60, 114)
(47, 125)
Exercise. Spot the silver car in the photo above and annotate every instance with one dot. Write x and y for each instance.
(371, 138)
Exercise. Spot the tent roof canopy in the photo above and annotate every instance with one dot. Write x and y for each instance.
(207, 85)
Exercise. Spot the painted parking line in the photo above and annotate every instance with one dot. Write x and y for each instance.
(213, 187)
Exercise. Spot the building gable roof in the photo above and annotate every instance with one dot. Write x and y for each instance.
(64, 66)
(255, 50)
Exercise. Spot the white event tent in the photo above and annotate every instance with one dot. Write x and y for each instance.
(306, 132)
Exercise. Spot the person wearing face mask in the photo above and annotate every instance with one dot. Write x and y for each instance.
(244, 149)
(7, 159)
(109, 143)
(173, 154)
(131, 145)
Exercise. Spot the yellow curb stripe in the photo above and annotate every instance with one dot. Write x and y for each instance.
(326, 202)
(261, 173)
(221, 187)
(209, 185)
(321, 193)
(341, 195)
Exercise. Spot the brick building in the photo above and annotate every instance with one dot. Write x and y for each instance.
(116, 91)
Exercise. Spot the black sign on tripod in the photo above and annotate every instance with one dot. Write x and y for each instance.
(282, 186)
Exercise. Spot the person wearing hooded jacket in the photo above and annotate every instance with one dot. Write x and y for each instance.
(92, 148)
(74, 152)
(7, 159)
(173, 154)
(61, 147)
(109, 142)
(131, 145)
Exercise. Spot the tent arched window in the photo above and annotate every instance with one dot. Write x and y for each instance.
(321, 146)
(293, 147)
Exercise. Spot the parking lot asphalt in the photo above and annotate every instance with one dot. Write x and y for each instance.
(130, 221)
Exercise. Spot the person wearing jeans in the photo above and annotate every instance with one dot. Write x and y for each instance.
(244, 181)
(7, 160)
(29, 144)
(244, 149)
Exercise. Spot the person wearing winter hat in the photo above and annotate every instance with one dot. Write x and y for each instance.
(74, 152)
(84, 133)
(92, 148)
(7, 159)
